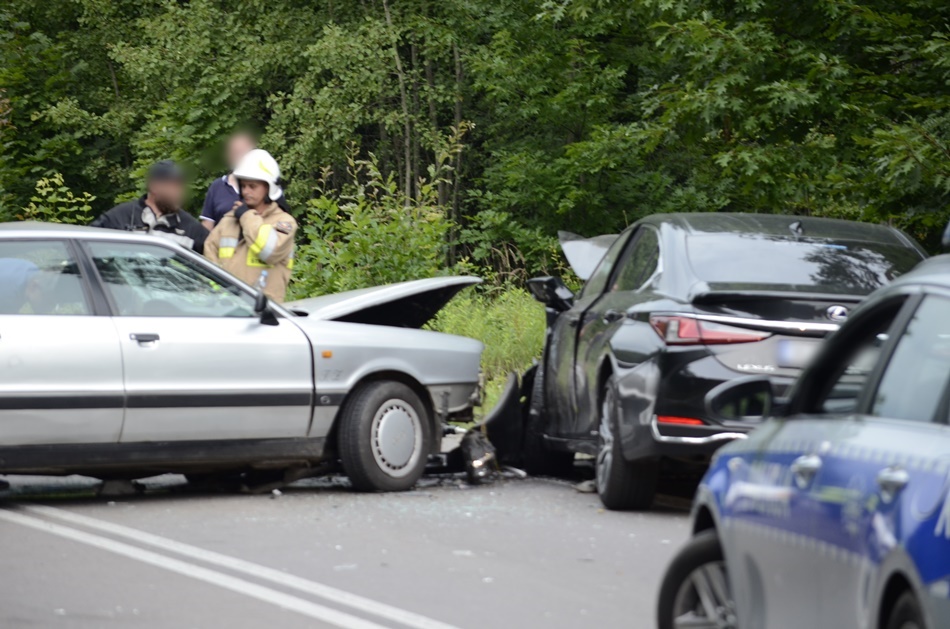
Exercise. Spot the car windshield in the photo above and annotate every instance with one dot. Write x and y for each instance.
(759, 262)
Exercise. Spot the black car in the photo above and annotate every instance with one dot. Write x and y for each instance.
(677, 305)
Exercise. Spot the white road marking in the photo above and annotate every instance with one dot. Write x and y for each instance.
(329, 593)
(265, 594)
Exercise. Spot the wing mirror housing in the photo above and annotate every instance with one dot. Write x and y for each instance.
(263, 310)
(552, 292)
(745, 399)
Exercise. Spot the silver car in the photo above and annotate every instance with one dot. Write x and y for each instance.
(124, 356)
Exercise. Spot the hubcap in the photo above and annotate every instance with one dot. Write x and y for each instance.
(605, 456)
(704, 600)
(397, 438)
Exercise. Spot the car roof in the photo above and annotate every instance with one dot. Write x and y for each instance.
(933, 271)
(701, 223)
(36, 229)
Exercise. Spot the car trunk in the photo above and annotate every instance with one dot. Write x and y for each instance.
(796, 324)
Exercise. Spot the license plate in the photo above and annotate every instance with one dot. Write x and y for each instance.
(795, 354)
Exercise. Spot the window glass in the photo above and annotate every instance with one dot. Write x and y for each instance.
(601, 275)
(814, 265)
(40, 277)
(639, 264)
(917, 374)
(153, 281)
(847, 378)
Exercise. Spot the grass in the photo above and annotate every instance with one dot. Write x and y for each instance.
(511, 325)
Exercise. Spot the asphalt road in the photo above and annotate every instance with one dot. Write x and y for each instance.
(516, 553)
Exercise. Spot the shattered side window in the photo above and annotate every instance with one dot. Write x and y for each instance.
(147, 280)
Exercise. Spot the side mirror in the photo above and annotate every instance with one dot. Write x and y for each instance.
(552, 292)
(745, 399)
(262, 309)
(945, 241)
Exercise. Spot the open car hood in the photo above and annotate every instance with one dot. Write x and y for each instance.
(403, 305)
(583, 254)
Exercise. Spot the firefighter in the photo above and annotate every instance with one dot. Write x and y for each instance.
(255, 240)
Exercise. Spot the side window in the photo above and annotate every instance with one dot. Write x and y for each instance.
(601, 275)
(40, 277)
(916, 376)
(639, 262)
(154, 281)
(843, 382)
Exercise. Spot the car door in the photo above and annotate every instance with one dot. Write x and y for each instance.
(198, 363)
(560, 396)
(784, 532)
(883, 472)
(629, 285)
(60, 363)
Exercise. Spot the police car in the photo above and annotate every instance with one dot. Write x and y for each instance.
(835, 512)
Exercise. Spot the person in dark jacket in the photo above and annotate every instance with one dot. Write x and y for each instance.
(159, 211)
(223, 192)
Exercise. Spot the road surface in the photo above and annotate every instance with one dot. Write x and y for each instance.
(516, 553)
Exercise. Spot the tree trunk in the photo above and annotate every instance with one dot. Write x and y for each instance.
(404, 99)
(456, 214)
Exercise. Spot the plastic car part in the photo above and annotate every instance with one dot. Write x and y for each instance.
(684, 330)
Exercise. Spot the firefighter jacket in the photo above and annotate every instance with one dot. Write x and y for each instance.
(246, 244)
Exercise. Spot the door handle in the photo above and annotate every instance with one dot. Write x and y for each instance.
(612, 316)
(891, 480)
(804, 469)
(143, 338)
(573, 321)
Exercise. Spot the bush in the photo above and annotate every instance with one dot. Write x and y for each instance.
(54, 202)
(508, 321)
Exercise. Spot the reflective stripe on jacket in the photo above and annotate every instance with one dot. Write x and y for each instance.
(258, 242)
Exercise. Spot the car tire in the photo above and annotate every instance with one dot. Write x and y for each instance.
(622, 485)
(385, 436)
(906, 613)
(539, 459)
(699, 564)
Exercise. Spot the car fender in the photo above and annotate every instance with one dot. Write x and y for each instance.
(636, 389)
(897, 564)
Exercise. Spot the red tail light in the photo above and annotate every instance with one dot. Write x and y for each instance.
(682, 330)
(683, 421)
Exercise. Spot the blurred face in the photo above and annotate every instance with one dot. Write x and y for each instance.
(238, 146)
(254, 192)
(168, 196)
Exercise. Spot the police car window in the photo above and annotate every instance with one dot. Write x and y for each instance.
(917, 373)
(639, 263)
(845, 380)
(601, 275)
(40, 278)
(153, 281)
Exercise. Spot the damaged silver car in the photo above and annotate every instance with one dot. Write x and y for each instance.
(124, 356)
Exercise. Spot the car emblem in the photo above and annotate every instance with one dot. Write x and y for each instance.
(837, 313)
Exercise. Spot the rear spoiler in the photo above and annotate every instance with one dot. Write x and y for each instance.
(719, 297)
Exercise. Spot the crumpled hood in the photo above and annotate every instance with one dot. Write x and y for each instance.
(583, 254)
(403, 305)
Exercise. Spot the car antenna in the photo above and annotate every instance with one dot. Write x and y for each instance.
(797, 228)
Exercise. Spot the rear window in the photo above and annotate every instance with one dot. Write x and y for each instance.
(756, 262)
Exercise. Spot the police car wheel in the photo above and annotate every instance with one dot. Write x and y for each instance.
(906, 614)
(621, 484)
(384, 437)
(695, 591)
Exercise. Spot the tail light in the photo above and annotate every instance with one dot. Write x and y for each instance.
(681, 421)
(683, 330)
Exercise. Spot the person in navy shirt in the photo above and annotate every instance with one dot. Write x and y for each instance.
(223, 192)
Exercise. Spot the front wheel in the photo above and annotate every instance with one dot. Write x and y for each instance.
(621, 484)
(906, 613)
(695, 591)
(385, 437)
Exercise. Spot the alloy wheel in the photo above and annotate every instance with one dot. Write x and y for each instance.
(605, 455)
(704, 600)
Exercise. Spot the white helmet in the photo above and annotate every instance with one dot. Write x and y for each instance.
(260, 166)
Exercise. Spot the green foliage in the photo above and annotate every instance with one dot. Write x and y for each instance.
(584, 114)
(509, 322)
(369, 233)
(54, 202)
